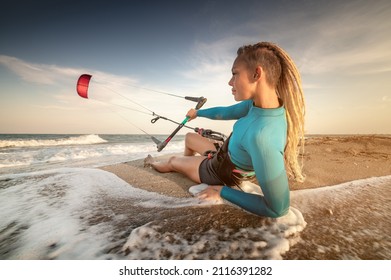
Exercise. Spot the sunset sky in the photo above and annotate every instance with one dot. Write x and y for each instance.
(342, 49)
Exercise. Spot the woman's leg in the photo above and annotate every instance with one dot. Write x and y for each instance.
(186, 165)
(195, 143)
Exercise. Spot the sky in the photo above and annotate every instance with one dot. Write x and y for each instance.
(341, 48)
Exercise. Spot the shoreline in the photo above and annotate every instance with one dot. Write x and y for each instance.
(341, 222)
(328, 160)
(336, 214)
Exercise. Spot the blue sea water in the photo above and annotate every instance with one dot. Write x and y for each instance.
(33, 152)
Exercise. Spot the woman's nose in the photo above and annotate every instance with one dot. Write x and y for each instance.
(230, 82)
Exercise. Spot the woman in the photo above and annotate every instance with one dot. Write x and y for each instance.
(265, 138)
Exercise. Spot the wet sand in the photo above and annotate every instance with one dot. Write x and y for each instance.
(340, 224)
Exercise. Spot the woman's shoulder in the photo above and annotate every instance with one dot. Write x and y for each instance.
(247, 103)
(264, 135)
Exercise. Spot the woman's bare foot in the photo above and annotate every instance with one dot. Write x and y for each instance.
(148, 161)
(160, 166)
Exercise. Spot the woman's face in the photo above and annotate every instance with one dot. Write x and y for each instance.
(242, 86)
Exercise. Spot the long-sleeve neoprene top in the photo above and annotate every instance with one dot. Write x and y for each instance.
(257, 143)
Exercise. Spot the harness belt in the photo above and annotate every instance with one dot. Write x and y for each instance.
(224, 168)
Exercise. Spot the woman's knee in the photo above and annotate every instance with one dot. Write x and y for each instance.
(195, 143)
(171, 161)
(190, 137)
(190, 143)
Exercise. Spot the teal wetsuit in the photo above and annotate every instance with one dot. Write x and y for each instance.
(257, 143)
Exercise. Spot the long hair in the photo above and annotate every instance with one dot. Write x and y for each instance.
(282, 74)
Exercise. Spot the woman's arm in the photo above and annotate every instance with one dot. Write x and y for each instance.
(268, 162)
(233, 112)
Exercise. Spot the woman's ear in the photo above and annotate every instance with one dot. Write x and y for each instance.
(258, 72)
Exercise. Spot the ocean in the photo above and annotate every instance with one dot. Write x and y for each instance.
(34, 152)
(55, 203)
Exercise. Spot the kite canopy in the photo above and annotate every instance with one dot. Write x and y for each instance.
(82, 85)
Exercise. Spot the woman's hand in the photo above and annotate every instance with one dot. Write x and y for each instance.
(211, 193)
(192, 114)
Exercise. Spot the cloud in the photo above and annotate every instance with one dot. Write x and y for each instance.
(345, 38)
(209, 60)
(349, 38)
(46, 74)
(105, 86)
(386, 98)
(111, 92)
(28, 72)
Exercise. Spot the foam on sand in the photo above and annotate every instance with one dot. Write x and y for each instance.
(270, 241)
(77, 213)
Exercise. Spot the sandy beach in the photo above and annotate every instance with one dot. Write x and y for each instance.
(339, 226)
(328, 160)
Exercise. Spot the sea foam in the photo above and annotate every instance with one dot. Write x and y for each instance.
(77, 213)
(73, 140)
